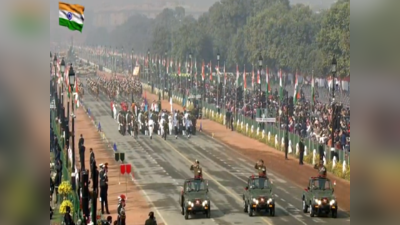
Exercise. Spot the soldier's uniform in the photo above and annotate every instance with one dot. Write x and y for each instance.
(121, 212)
(135, 128)
(151, 128)
(165, 128)
(197, 170)
(262, 172)
(261, 169)
(198, 173)
(321, 174)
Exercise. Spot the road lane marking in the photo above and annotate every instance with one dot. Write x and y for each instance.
(284, 190)
(149, 200)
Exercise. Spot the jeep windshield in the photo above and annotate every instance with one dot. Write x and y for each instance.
(321, 184)
(195, 185)
(259, 183)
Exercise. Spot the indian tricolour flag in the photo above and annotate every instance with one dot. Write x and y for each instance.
(71, 16)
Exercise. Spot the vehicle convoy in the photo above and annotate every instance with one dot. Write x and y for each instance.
(258, 197)
(194, 198)
(318, 198)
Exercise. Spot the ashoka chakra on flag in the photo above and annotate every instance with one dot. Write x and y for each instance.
(71, 16)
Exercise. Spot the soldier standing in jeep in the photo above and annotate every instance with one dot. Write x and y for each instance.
(321, 173)
(261, 169)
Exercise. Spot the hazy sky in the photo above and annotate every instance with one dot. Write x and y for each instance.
(204, 4)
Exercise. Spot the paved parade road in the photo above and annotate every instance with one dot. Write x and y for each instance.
(161, 166)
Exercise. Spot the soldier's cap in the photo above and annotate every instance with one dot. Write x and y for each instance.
(197, 161)
(101, 165)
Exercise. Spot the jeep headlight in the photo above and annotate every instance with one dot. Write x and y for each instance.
(269, 201)
(332, 202)
(205, 202)
(190, 203)
(255, 200)
(319, 202)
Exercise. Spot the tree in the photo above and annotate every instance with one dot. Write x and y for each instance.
(334, 36)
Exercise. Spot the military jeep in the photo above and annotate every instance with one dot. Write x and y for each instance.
(318, 198)
(258, 197)
(194, 198)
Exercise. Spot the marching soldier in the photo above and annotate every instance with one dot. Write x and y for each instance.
(188, 124)
(128, 120)
(176, 124)
(165, 128)
(151, 127)
(135, 128)
(170, 123)
(321, 174)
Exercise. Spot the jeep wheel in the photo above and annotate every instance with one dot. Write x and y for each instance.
(311, 211)
(249, 210)
(245, 207)
(186, 214)
(272, 212)
(334, 213)
(305, 207)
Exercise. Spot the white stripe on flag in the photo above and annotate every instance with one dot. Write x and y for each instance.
(77, 18)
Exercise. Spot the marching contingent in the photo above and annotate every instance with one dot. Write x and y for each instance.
(140, 119)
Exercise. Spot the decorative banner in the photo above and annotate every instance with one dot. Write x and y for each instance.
(122, 156)
(122, 168)
(116, 156)
(128, 168)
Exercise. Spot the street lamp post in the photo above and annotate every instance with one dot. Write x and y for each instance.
(191, 74)
(59, 88)
(132, 62)
(148, 65)
(334, 68)
(132, 75)
(165, 74)
(64, 117)
(260, 64)
(71, 76)
(217, 82)
(122, 60)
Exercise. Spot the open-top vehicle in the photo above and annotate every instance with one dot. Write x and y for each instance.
(194, 198)
(318, 198)
(258, 197)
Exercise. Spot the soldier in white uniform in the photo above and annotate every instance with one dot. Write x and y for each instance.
(115, 112)
(188, 124)
(151, 128)
(170, 124)
(161, 123)
(140, 121)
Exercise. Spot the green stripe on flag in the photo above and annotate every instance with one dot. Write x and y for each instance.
(70, 24)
